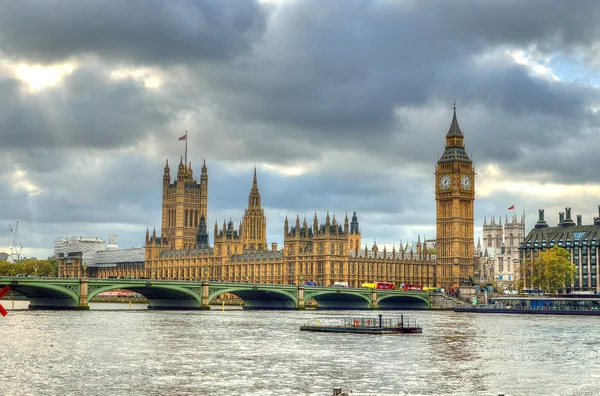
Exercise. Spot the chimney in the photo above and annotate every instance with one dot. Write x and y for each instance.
(561, 218)
(568, 221)
(274, 246)
(578, 220)
(541, 222)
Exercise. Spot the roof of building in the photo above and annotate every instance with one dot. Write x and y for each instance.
(185, 252)
(563, 236)
(107, 258)
(256, 255)
(454, 128)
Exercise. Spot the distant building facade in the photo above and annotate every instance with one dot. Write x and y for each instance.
(500, 256)
(81, 256)
(581, 241)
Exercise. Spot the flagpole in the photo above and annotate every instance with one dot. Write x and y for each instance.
(186, 147)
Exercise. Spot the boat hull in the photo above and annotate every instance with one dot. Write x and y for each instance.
(363, 330)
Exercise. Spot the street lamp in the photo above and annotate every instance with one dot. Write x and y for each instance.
(84, 270)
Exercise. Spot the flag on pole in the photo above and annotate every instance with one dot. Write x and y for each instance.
(511, 208)
(184, 137)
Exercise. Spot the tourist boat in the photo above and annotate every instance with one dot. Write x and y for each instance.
(362, 325)
(555, 304)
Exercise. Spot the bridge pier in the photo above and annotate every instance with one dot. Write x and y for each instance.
(83, 294)
(374, 299)
(300, 304)
(204, 304)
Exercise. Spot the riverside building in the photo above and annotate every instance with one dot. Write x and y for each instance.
(581, 241)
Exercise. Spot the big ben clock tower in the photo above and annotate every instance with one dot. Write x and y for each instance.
(455, 198)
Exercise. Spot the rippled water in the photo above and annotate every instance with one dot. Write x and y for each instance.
(237, 352)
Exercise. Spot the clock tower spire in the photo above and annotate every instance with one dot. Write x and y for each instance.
(455, 198)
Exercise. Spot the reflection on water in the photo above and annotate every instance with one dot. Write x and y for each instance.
(113, 349)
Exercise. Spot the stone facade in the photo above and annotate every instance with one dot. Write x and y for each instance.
(455, 197)
(500, 252)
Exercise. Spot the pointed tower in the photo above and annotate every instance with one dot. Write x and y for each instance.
(354, 238)
(254, 221)
(202, 235)
(455, 197)
(184, 202)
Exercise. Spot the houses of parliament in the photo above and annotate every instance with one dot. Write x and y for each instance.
(324, 251)
(318, 251)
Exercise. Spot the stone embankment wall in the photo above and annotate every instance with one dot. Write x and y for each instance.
(442, 301)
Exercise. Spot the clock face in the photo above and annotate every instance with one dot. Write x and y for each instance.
(465, 182)
(445, 182)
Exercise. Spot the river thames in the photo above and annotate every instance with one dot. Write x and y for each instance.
(115, 350)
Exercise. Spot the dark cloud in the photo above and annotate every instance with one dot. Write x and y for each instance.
(152, 32)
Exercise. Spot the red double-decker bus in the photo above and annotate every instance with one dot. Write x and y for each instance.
(412, 286)
(385, 285)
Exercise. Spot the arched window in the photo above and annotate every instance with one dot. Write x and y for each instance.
(489, 238)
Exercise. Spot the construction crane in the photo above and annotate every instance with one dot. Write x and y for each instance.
(15, 245)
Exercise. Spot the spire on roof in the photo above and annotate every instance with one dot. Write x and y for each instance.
(454, 128)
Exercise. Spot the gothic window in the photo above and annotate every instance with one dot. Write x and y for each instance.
(185, 219)
(489, 238)
(332, 249)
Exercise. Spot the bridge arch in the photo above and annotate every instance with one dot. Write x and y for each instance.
(259, 297)
(49, 296)
(407, 301)
(159, 296)
(340, 298)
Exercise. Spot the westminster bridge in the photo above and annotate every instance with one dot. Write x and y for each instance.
(76, 293)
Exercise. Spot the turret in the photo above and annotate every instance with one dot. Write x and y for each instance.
(167, 174)
(354, 225)
(181, 171)
(315, 224)
(202, 235)
(286, 226)
(346, 225)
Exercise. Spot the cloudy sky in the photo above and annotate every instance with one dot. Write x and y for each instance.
(342, 106)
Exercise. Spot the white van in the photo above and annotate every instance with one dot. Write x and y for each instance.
(340, 284)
